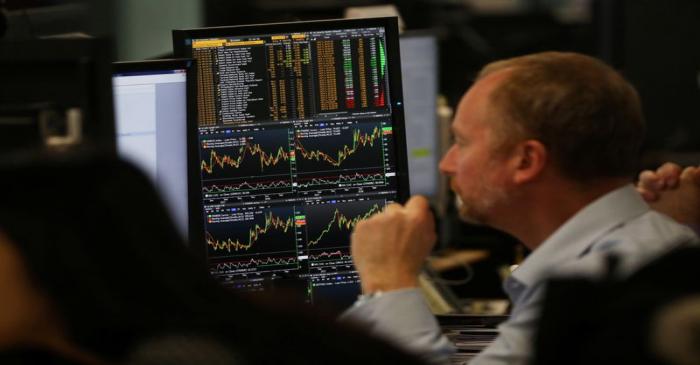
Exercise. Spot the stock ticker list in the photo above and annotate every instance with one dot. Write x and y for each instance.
(296, 147)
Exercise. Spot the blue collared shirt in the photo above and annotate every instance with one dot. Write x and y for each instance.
(619, 223)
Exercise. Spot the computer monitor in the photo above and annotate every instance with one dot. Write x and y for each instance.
(300, 136)
(154, 102)
(419, 68)
(56, 87)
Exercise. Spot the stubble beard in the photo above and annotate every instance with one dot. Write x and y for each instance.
(480, 207)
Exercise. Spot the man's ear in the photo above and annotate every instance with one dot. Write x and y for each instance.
(529, 161)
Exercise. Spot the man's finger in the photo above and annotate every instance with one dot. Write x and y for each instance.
(648, 195)
(392, 207)
(670, 173)
(669, 168)
(696, 175)
(417, 203)
(650, 180)
(691, 174)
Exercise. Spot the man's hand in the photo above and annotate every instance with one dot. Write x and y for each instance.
(389, 248)
(673, 191)
(652, 183)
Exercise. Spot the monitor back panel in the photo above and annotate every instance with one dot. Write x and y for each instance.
(419, 66)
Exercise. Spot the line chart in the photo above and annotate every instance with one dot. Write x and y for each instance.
(325, 149)
(330, 255)
(263, 186)
(247, 233)
(253, 263)
(222, 160)
(245, 154)
(350, 179)
(330, 225)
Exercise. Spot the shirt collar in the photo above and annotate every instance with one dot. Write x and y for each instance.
(580, 232)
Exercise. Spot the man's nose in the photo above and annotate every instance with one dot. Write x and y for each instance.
(446, 165)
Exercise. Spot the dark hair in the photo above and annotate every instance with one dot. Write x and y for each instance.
(586, 114)
(97, 240)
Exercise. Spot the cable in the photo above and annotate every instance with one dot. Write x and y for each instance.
(455, 282)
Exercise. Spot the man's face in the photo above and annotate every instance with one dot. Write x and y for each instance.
(476, 169)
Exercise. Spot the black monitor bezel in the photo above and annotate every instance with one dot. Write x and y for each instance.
(152, 65)
(190, 67)
(391, 27)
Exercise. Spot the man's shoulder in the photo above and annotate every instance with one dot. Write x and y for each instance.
(651, 231)
(634, 243)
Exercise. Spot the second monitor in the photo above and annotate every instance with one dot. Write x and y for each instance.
(152, 110)
(300, 136)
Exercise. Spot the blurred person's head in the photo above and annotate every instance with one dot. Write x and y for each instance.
(88, 255)
(95, 270)
(540, 122)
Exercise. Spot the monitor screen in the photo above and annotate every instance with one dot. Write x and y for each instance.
(419, 68)
(300, 136)
(150, 104)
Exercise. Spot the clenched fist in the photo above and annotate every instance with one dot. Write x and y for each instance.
(389, 248)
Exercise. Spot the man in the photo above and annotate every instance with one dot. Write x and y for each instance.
(545, 147)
